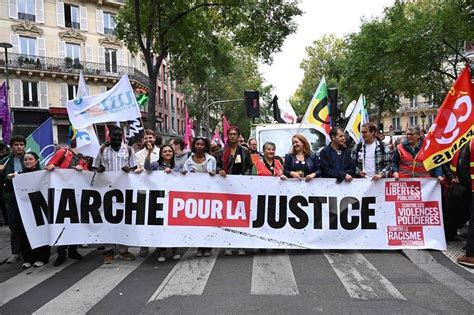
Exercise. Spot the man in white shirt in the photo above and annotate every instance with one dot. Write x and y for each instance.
(142, 154)
(371, 156)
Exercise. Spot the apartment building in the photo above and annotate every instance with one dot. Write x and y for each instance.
(52, 41)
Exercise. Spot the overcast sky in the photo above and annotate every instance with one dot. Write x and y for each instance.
(340, 17)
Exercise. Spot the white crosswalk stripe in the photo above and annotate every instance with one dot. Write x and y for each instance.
(188, 277)
(272, 274)
(360, 278)
(83, 295)
(30, 278)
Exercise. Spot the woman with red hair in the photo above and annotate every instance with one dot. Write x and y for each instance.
(301, 162)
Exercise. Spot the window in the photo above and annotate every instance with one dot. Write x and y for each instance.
(166, 123)
(73, 51)
(30, 94)
(164, 73)
(27, 46)
(431, 119)
(71, 91)
(165, 104)
(172, 103)
(26, 10)
(110, 60)
(63, 133)
(413, 121)
(160, 100)
(172, 123)
(71, 16)
(396, 123)
(109, 23)
(414, 102)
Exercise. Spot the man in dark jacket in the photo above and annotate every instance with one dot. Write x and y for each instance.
(11, 164)
(335, 158)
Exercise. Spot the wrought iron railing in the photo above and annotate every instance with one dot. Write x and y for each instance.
(68, 66)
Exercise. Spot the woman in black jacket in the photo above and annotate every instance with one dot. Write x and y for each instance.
(32, 257)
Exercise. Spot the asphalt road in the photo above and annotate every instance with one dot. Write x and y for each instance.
(276, 282)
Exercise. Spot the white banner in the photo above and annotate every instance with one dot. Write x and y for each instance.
(86, 139)
(287, 113)
(195, 210)
(117, 104)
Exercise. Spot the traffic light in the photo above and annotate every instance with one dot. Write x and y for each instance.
(252, 104)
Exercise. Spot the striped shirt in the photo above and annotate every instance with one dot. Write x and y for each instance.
(114, 160)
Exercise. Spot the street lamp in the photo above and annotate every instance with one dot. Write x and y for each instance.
(423, 119)
(6, 46)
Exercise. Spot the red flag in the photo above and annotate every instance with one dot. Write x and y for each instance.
(107, 135)
(216, 138)
(226, 125)
(188, 133)
(453, 126)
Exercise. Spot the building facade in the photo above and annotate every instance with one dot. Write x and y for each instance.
(52, 42)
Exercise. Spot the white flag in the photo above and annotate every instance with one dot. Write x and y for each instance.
(287, 113)
(117, 104)
(86, 139)
(357, 120)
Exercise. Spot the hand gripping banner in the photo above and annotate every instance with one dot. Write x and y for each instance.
(197, 210)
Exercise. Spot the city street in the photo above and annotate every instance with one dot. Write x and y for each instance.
(272, 282)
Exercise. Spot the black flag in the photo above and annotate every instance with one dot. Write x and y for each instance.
(135, 130)
(276, 110)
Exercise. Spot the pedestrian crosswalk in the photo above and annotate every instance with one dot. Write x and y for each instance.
(272, 274)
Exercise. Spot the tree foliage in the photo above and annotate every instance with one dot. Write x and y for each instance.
(324, 58)
(414, 48)
(199, 36)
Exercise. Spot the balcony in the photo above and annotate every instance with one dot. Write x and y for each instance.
(26, 17)
(73, 25)
(415, 108)
(110, 31)
(57, 66)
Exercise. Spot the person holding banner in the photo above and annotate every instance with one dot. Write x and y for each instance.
(371, 156)
(268, 164)
(405, 161)
(201, 161)
(149, 137)
(233, 159)
(166, 163)
(11, 164)
(180, 154)
(301, 163)
(67, 158)
(32, 257)
(115, 157)
(336, 161)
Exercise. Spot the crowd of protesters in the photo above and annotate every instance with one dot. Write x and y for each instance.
(371, 159)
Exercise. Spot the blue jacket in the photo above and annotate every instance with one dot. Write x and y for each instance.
(336, 165)
(311, 161)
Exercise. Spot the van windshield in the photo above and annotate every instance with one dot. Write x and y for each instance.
(282, 139)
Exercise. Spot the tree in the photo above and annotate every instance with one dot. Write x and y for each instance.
(427, 40)
(199, 35)
(324, 58)
(230, 84)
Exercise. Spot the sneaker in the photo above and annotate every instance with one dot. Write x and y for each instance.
(228, 252)
(26, 265)
(176, 256)
(207, 253)
(108, 258)
(59, 261)
(199, 253)
(74, 255)
(143, 251)
(466, 261)
(38, 264)
(241, 252)
(13, 259)
(126, 256)
(161, 257)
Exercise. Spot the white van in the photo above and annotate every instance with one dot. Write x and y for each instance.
(281, 134)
